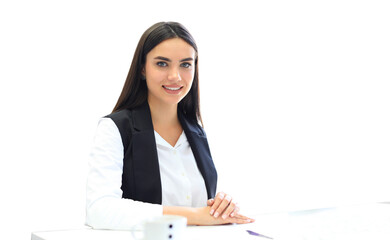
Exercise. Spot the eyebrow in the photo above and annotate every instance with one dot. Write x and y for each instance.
(169, 60)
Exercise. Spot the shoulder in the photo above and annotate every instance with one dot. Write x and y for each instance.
(120, 116)
(122, 119)
(107, 134)
(191, 125)
(138, 118)
(124, 122)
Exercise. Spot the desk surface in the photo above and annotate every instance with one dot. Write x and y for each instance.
(367, 221)
(192, 233)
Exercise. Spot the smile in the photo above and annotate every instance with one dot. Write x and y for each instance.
(172, 88)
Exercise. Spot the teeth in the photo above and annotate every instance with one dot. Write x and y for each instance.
(173, 89)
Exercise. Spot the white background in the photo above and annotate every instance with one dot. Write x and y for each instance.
(295, 99)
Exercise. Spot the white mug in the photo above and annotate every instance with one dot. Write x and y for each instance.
(167, 227)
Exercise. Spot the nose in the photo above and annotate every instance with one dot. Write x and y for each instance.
(174, 74)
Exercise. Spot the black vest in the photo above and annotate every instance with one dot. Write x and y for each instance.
(141, 179)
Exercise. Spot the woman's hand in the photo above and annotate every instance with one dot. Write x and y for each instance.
(221, 210)
(202, 217)
(223, 205)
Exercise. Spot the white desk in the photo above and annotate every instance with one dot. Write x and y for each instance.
(192, 233)
(368, 222)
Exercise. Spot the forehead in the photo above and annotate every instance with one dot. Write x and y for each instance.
(174, 48)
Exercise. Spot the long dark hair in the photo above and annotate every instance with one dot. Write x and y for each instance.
(135, 91)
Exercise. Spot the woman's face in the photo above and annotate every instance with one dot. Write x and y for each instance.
(169, 71)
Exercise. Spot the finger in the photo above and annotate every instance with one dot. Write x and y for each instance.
(242, 217)
(217, 201)
(239, 220)
(236, 210)
(222, 207)
(210, 202)
(229, 210)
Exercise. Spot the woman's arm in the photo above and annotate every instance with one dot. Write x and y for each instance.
(105, 207)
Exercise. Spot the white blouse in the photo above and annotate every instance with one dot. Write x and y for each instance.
(182, 183)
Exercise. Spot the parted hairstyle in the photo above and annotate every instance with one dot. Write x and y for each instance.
(135, 91)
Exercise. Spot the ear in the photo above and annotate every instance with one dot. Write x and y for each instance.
(143, 75)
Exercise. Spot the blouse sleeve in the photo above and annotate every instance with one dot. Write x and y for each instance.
(105, 207)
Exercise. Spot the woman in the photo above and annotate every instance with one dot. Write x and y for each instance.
(150, 156)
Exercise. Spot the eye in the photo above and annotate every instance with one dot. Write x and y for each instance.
(186, 65)
(162, 64)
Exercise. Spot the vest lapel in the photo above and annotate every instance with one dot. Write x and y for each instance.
(200, 148)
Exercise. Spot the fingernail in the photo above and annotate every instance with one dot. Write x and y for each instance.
(224, 216)
(232, 215)
(216, 214)
(212, 211)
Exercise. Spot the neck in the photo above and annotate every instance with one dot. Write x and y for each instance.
(163, 115)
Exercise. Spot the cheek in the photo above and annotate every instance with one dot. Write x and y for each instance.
(154, 76)
(189, 77)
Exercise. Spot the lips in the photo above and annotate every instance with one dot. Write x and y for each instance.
(173, 88)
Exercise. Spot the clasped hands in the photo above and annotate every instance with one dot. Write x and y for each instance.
(223, 210)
